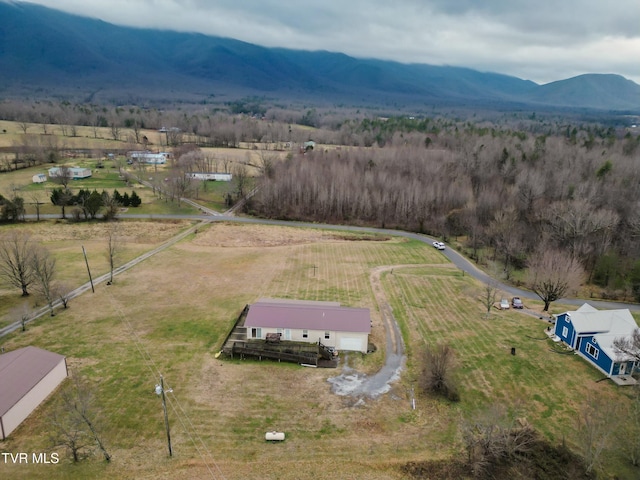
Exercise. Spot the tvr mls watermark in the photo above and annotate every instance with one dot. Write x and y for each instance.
(33, 458)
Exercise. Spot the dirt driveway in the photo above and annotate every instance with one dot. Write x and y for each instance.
(356, 384)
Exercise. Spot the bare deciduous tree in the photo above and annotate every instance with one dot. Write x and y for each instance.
(489, 294)
(69, 431)
(62, 291)
(64, 176)
(596, 423)
(628, 347)
(266, 164)
(113, 248)
(22, 313)
(115, 130)
(111, 206)
(16, 260)
(75, 420)
(495, 437)
(552, 273)
(38, 203)
(629, 434)
(44, 267)
(241, 178)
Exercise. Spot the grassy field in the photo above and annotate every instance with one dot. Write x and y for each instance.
(171, 313)
(210, 194)
(65, 242)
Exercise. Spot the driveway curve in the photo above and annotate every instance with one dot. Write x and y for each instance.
(355, 384)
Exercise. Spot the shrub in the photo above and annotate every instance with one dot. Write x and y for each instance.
(439, 376)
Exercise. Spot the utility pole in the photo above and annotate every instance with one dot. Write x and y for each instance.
(88, 270)
(160, 391)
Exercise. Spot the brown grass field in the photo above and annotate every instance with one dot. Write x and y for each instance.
(170, 314)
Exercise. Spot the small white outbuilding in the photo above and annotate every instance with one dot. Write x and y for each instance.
(39, 178)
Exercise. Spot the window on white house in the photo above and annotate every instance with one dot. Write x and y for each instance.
(593, 351)
(256, 332)
(565, 332)
(327, 335)
(305, 333)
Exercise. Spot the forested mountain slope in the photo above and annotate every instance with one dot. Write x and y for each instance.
(45, 52)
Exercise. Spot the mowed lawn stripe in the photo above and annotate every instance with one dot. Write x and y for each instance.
(435, 311)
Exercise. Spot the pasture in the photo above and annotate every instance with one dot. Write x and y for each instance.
(170, 314)
(107, 177)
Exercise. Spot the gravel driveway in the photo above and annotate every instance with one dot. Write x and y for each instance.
(356, 384)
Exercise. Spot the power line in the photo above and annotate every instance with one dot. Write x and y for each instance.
(155, 373)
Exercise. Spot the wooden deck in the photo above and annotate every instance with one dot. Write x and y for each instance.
(237, 345)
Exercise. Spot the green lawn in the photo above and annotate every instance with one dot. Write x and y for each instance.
(170, 315)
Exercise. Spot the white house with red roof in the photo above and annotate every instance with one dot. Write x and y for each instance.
(343, 328)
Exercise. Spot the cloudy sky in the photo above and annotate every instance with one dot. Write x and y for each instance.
(543, 40)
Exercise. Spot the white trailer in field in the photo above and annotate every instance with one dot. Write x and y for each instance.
(148, 157)
(211, 176)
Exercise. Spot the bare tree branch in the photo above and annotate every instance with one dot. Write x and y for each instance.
(552, 274)
(16, 260)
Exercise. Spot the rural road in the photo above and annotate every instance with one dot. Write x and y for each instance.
(350, 382)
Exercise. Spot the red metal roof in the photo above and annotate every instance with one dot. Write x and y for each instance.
(21, 370)
(309, 316)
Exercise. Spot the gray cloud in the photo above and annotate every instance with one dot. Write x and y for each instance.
(542, 41)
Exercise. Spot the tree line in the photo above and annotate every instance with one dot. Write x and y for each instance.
(504, 193)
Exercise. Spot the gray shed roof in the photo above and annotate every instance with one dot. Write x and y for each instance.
(309, 316)
(21, 370)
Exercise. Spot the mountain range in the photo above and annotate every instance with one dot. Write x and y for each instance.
(49, 53)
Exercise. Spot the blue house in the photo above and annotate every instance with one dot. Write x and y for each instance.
(591, 333)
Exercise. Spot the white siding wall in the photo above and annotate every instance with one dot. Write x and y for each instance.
(33, 398)
(356, 341)
(315, 335)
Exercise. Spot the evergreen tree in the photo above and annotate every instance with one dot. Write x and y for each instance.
(93, 204)
(62, 197)
(135, 200)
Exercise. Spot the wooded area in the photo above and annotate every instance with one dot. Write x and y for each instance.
(509, 190)
(507, 185)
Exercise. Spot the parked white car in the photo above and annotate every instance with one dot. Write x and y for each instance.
(439, 245)
(504, 304)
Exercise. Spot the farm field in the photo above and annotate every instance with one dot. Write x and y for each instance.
(209, 194)
(65, 242)
(170, 314)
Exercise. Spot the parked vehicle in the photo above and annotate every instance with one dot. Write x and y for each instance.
(504, 304)
(439, 245)
(516, 302)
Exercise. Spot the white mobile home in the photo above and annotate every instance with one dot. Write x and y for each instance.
(211, 176)
(76, 173)
(149, 158)
(343, 328)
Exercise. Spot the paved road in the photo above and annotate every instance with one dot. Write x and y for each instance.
(456, 258)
